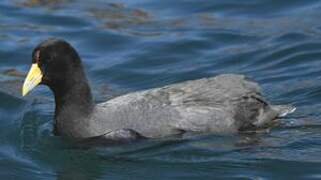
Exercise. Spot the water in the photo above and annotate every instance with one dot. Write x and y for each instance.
(134, 45)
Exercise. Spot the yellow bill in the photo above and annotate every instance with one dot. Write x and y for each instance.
(32, 80)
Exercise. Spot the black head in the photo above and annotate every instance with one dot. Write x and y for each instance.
(57, 60)
(55, 63)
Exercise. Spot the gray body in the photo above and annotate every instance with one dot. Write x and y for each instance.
(221, 104)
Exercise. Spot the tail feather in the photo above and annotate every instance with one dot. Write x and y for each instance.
(272, 113)
(283, 110)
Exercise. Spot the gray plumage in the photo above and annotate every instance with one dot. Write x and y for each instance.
(222, 104)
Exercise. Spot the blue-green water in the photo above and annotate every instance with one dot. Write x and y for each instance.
(130, 45)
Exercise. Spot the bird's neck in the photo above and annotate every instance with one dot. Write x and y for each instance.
(73, 101)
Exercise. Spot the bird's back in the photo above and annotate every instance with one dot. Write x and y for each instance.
(220, 104)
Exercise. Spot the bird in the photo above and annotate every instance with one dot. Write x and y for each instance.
(223, 104)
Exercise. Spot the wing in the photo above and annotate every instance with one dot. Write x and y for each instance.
(225, 103)
(219, 104)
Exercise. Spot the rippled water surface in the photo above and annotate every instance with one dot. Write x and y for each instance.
(131, 45)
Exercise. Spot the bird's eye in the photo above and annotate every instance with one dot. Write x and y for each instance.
(37, 57)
